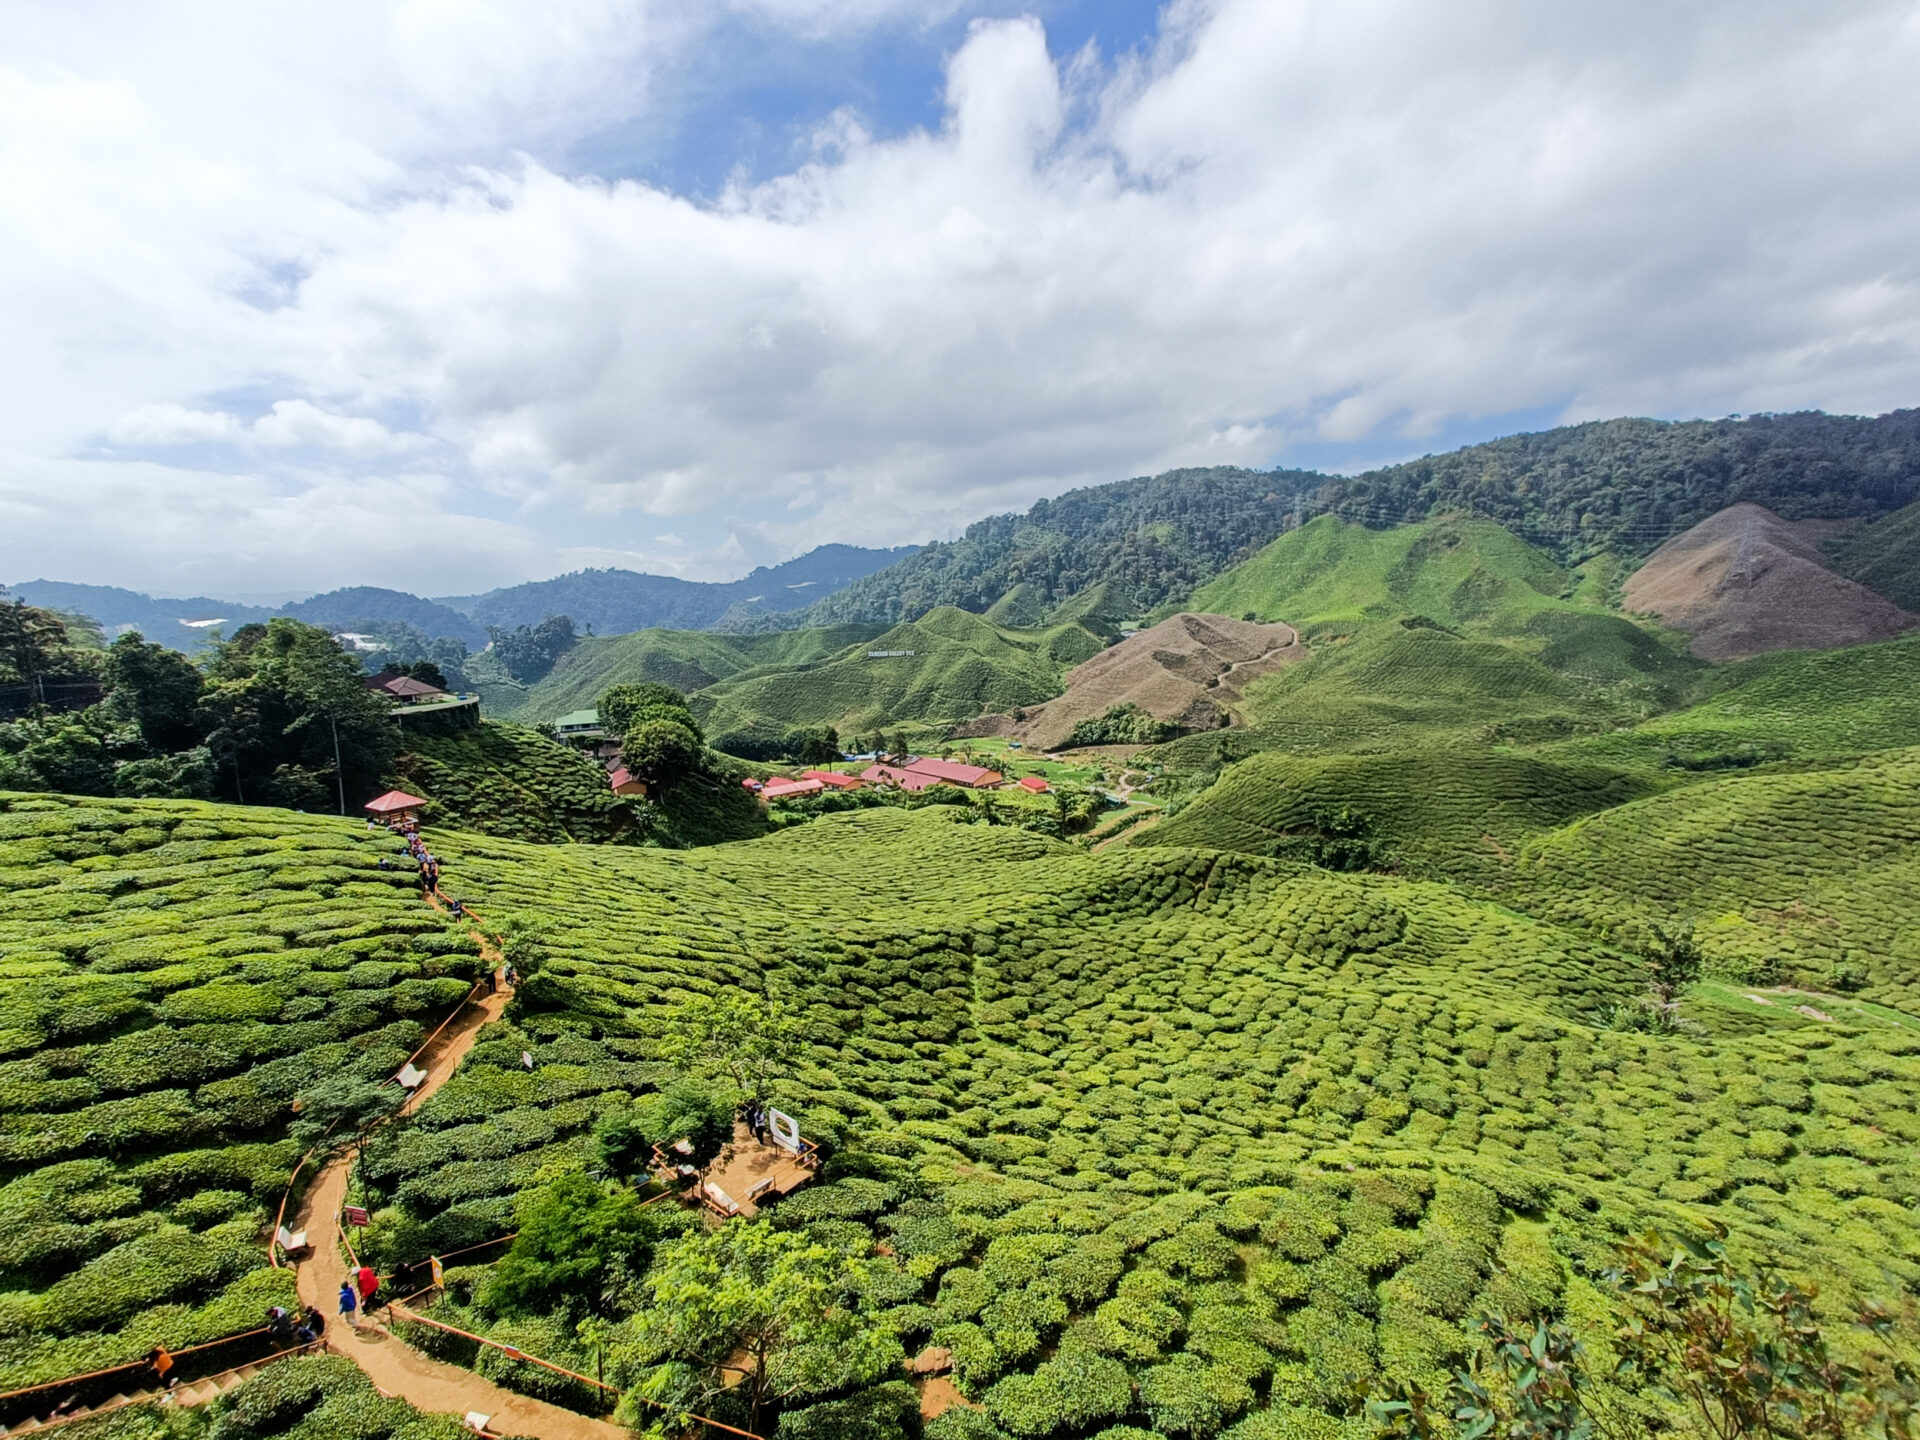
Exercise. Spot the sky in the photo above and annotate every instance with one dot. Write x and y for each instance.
(449, 294)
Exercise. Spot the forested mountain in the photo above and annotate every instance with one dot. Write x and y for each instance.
(1152, 538)
(1619, 485)
(163, 621)
(1627, 485)
(372, 609)
(612, 602)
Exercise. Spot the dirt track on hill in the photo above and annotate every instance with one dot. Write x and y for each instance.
(1190, 669)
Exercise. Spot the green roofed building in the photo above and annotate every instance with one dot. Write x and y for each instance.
(578, 722)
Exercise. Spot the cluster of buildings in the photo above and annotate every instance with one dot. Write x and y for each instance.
(920, 772)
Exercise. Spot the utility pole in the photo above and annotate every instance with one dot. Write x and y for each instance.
(339, 779)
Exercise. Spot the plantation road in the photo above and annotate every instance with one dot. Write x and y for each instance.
(395, 1367)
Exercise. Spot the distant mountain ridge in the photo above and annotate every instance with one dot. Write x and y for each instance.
(614, 602)
(179, 623)
(611, 602)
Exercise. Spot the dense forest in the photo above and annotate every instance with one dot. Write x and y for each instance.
(1626, 485)
(1153, 539)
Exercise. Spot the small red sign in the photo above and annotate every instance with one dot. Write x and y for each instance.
(356, 1215)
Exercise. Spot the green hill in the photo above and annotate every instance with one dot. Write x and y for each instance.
(1330, 578)
(1802, 704)
(1405, 685)
(1581, 491)
(1885, 557)
(1153, 538)
(1456, 812)
(1329, 574)
(1807, 876)
(517, 782)
(1164, 1116)
(947, 666)
(688, 660)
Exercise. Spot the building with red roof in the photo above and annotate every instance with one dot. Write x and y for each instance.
(395, 806)
(832, 780)
(952, 772)
(904, 779)
(1036, 783)
(782, 789)
(625, 782)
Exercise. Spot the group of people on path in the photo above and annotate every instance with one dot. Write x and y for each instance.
(359, 1295)
(305, 1327)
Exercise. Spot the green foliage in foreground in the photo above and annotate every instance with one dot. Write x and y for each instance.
(313, 1395)
(517, 782)
(172, 975)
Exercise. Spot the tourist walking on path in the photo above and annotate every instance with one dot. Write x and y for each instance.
(349, 1305)
(368, 1284)
(162, 1363)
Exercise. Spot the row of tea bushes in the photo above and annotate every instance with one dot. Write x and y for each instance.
(1805, 876)
(318, 1395)
(172, 975)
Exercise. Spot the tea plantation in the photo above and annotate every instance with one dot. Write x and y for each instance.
(172, 974)
(1164, 1137)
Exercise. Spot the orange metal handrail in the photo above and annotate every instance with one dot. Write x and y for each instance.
(518, 1354)
(132, 1364)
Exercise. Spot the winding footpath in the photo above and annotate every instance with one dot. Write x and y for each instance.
(395, 1367)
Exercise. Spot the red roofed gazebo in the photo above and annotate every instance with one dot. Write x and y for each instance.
(396, 806)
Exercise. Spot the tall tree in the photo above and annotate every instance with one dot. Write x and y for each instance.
(748, 1295)
(750, 1039)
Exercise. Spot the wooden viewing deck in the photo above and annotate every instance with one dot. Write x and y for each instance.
(747, 1171)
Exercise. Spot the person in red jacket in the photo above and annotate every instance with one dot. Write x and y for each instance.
(367, 1283)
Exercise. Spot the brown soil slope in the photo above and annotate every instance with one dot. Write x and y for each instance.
(1190, 668)
(1744, 581)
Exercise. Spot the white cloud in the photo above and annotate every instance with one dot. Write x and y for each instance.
(1346, 219)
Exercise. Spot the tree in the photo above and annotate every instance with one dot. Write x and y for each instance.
(1741, 1350)
(662, 751)
(529, 652)
(747, 1038)
(814, 745)
(345, 1105)
(620, 705)
(748, 1295)
(30, 643)
(573, 1231)
(291, 716)
(1674, 962)
(427, 673)
(1744, 1351)
(685, 1110)
(157, 689)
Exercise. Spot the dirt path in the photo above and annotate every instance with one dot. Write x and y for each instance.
(395, 1367)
